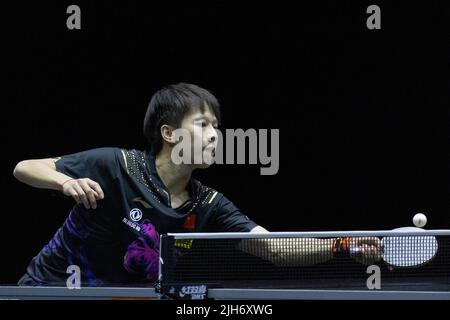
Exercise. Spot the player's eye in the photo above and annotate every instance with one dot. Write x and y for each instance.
(200, 123)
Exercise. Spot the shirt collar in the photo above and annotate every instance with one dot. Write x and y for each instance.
(193, 185)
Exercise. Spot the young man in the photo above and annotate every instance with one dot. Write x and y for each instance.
(126, 198)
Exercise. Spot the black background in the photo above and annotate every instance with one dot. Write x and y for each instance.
(363, 114)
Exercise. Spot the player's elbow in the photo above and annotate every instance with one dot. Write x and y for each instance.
(259, 229)
(21, 169)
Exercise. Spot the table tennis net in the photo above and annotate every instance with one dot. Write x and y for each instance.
(307, 262)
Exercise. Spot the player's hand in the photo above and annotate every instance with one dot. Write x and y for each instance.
(368, 249)
(83, 191)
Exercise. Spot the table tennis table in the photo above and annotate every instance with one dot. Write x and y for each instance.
(119, 293)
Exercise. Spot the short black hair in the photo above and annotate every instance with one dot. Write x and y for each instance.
(170, 105)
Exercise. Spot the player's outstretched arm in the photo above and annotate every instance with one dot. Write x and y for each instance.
(288, 251)
(41, 173)
(308, 251)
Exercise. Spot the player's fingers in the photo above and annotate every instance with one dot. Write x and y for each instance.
(363, 254)
(369, 240)
(94, 185)
(84, 184)
(371, 253)
(374, 241)
(90, 194)
(81, 195)
(72, 193)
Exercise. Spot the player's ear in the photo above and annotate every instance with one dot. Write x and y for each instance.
(167, 133)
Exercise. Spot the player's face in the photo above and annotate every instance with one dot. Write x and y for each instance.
(202, 127)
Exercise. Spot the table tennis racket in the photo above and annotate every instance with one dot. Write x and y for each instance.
(408, 250)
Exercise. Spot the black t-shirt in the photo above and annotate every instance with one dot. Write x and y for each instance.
(118, 243)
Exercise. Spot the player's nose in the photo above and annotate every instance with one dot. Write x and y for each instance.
(212, 135)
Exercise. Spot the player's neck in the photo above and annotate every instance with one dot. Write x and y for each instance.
(175, 177)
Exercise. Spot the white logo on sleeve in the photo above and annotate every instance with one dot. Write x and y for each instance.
(135, 214)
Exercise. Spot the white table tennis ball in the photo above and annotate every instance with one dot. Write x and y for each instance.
(420, 220)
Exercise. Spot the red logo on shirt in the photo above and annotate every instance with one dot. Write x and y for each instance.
(189, 221)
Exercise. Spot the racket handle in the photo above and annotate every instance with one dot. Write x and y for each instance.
(355, 250)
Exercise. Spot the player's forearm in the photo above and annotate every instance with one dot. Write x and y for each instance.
(290, 251)
(303, 251)
(40, 174)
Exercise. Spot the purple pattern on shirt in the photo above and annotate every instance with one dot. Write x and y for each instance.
(142, 256)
